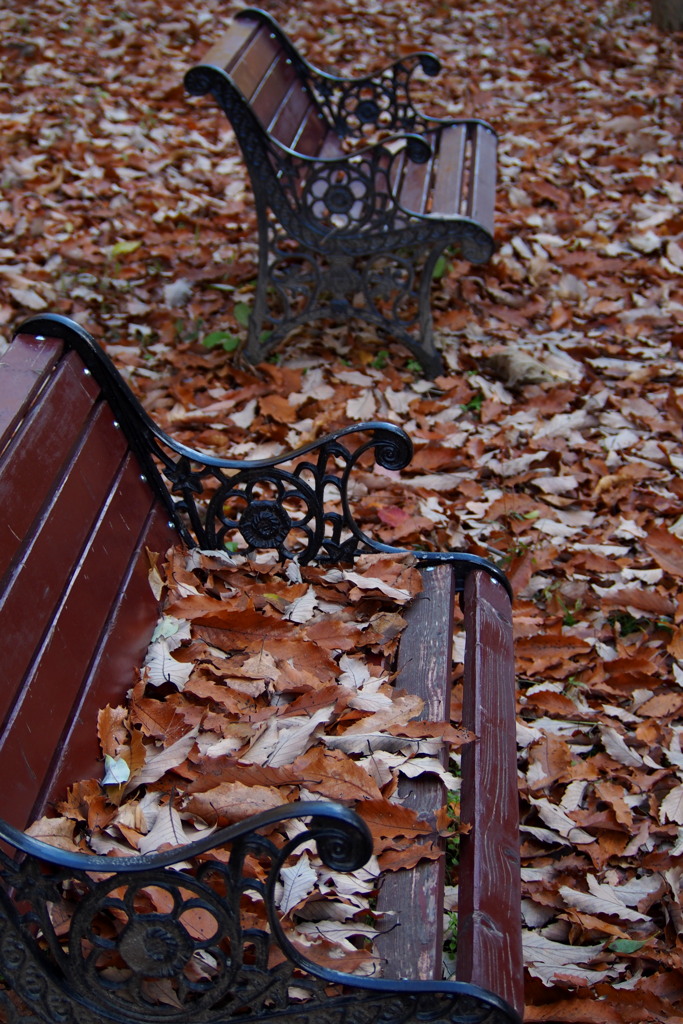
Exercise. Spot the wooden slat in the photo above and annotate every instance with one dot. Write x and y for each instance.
(448, 184)
(310, 133)
(482, 193)
(227, 49)
(413, 949)
(254, 62)
(331, 148)
(414, 189)
(292, 116)
(39, 449)
(121, 650)
(38, 719)
(34, 588)
(24, 367)
(489, 925)
(275, 84)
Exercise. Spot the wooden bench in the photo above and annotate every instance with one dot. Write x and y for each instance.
(357, 192)
(89, 486)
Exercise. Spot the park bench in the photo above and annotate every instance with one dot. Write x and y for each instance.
(357, 192)
(89, 486)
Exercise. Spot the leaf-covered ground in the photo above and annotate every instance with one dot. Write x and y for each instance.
(551, 444)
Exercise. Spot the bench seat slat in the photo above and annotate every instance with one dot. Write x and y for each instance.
(489, 931)
(482, 192)
(276, 83)
(44, 567)
(448, 180)
(43, 443)
(254, 62)
(62, 664)
(297, 124)
(310, 133)
(295, 109)
(225, 52)
(413, 949)
(414, 188)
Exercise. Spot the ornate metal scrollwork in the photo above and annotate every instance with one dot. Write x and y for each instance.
(383, 101)
(298, 504)
(155, 941)
(142, 939)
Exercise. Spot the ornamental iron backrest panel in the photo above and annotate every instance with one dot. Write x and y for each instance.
(160, 939)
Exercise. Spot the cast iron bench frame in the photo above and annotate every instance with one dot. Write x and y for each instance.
(357, 192)
(89, 484)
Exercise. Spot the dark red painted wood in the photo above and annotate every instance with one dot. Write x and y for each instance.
(40, 714)
(24, 367)
(35, 586)
(40, 448)
(414, 189)
(227, 50)
(83, 653)
(413, 949)
(448, 181)
(120, 652)
(482, 190)
(276, 83)
(489, 924)
(253, 63)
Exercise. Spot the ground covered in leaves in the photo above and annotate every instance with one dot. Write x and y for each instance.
(551, 443)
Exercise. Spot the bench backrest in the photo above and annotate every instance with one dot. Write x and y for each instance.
(265, 69)
(76, 608)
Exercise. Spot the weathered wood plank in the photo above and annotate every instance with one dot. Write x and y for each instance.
(448, 179)
(481, 199)
(489, 925)
(414, 189)
(413, 949)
